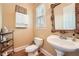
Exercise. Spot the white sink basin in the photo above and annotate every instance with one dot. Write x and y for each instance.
(62, 45)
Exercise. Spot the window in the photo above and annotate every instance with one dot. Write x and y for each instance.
(40, 16)
(21, 17)
(21, 20)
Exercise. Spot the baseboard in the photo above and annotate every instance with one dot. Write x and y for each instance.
(46, 53)
(20, 48)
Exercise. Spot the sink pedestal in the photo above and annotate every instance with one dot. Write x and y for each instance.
(59, 53)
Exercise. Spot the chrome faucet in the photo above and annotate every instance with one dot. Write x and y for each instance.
(62, 37)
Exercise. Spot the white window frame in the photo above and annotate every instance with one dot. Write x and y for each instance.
(40, 16)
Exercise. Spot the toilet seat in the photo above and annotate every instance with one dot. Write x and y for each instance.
(31, 48)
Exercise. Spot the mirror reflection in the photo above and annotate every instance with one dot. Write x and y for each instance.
(64, 17)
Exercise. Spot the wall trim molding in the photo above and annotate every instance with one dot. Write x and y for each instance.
(20, 48)
(46, 53)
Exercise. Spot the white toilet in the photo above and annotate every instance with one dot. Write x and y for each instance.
(33, 49)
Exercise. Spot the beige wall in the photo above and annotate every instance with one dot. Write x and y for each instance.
(21, 36)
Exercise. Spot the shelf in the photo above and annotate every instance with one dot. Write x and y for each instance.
(6, 41)
(6, 33)
(10, 54)
(6, 48)
(8, 44)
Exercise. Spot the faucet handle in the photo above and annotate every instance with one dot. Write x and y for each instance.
(73, 34)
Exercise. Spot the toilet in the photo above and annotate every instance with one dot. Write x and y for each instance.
(33, 49)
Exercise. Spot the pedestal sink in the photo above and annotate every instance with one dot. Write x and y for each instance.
(62, 45)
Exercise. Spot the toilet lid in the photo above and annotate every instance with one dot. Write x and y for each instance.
(31, 48)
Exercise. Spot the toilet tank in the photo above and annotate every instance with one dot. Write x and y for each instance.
(38, 41)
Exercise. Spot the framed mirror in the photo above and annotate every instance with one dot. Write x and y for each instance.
(63, 16)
